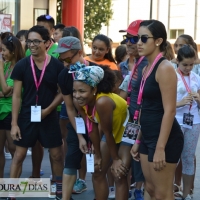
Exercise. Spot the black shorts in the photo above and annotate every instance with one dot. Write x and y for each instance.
(173, 148)
(74, 155)
(47, 132)
(5, 124)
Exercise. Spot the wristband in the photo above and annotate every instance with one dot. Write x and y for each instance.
(137, 141)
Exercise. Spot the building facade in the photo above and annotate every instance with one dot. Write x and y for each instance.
(25, 12)
(178, 16)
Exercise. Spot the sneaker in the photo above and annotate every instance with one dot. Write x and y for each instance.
(188, 197)
(111, 193)
(42, 173)
(138, 194)
(79, 186)
(7, 155)
(130, 194)
(52, 194)
(29, 153)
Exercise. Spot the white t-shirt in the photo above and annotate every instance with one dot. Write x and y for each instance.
(193, 81)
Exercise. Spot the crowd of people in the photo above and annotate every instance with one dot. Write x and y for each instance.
(132, 120)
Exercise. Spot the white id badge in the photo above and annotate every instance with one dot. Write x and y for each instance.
(36, 113)
(80, 125)
(90, 162)
(131, 132)
(188, 120)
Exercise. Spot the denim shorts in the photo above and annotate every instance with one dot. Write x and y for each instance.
(63, 112)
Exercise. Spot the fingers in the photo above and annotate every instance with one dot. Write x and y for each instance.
(158, 166)
(84, 149)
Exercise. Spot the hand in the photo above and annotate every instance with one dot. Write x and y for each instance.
(186, 100)
(195, 95)
(97, 163)
(15, 133)
(134, 152)
(10, 93)
(83, 145)
(44, 113)
(159, 160)
(118, 168)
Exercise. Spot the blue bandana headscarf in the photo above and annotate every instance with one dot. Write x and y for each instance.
(91, 75)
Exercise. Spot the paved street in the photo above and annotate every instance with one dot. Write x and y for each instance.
(89, 195)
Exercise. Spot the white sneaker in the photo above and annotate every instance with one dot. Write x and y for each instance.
(29, 153)
(111, 193)
(188, 197)
(7, 155)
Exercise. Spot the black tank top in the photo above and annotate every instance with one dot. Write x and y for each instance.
(152, 110)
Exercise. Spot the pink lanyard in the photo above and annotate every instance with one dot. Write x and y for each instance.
(37, 83)
(50, 45)
(89, 124)
(132, 73)
(8, 72)
(144, 78)
(186, 85)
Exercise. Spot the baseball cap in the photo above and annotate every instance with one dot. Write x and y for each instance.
(68, 43)
(133, 27)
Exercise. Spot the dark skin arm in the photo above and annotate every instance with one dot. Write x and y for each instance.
(104, 107)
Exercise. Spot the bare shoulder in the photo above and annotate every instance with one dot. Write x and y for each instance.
(165, 70)
(104, 102)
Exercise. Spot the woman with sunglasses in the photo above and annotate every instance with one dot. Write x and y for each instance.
(106, 115)
(12, 52)
(102, 52)
(161, 139)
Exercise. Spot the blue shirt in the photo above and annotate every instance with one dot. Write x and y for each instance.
(124, 67)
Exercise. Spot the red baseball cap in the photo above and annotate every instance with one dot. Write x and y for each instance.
(133, 27)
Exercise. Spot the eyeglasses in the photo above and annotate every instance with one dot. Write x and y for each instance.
(35, 42)
(133, 39)
(68, 59)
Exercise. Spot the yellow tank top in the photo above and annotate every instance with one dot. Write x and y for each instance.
(120, 115)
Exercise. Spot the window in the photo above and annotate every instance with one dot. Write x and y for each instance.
(38, 12)
(174, 33)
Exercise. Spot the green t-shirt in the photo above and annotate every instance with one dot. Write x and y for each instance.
(50, 51)
(6, 103)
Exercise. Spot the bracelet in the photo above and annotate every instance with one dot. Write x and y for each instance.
(137, 141)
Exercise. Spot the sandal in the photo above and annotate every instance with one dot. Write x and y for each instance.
(191, 193)
(178, 194)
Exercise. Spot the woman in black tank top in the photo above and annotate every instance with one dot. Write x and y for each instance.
(161, 136)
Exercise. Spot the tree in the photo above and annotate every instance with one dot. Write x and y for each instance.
(97, 13)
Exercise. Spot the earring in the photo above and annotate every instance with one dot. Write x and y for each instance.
(157, 45)
(94, 94)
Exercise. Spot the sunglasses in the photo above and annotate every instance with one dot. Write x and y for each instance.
(35, 42)
(10, 39)
(68, 60)
(135, 39)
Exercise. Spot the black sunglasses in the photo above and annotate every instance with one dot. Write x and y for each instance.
(132, 39)
(144, 38)
(68, 60)
(135, 39)
(9, 39)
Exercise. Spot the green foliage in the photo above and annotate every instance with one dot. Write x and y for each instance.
(97, 13)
